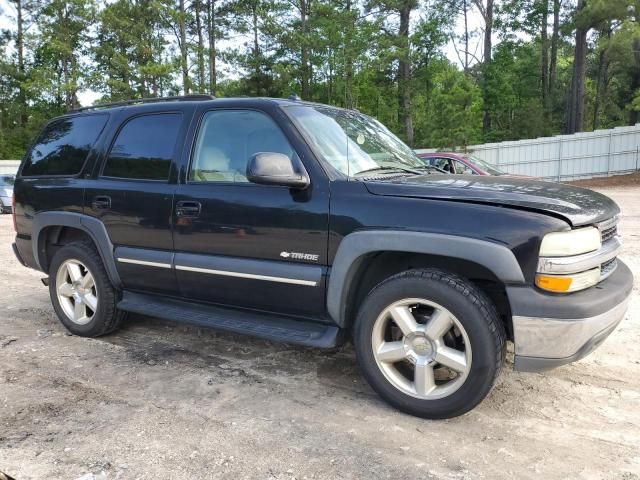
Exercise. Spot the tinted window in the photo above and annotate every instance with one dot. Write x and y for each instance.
(144, 147)
(228, 139)
(63, 146)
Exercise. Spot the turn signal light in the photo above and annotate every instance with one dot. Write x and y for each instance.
(568, 283)
(553, 284)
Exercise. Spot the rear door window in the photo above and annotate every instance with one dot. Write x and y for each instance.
(63, 145)
(144, 147)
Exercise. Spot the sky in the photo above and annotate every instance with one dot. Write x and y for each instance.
(87, 97)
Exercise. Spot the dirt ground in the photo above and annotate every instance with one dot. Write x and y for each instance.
(630, 180)
(160, 400)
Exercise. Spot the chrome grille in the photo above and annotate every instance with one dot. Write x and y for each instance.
(608, 233)
(607, 268)
(608, 228)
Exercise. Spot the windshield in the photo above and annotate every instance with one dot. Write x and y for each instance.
(6, 180)
(353, 143)
(487, 167)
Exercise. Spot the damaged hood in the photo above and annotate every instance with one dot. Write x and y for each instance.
(579, 206)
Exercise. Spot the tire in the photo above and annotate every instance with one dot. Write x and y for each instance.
(397, 355)
(89, 291)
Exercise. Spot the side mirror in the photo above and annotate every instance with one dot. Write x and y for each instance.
(270, 168)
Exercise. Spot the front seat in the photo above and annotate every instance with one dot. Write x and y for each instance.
(213, 165)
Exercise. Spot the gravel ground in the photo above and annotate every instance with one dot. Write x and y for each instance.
(630, 180)
(160, 400)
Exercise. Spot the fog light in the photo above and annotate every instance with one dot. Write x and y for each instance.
(568, 283)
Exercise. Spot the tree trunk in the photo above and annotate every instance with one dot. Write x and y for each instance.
(211, 24)
(602, 81)
(22, 98)
(404, 73)
(465, 9)
(256, 48)
(634, 115)
(602, 67)
(330, 59)
(198, 12)
(183, 47)
(544, 46)
(555, 40)
(305, 77)
(348, 93)
(488, 45)
(575, 104)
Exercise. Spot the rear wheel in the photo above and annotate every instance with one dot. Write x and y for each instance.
(430, 343)
(81, 293)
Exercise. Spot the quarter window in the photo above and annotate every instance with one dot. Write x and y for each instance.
(144, 148)
(63, 145)
(228, 139)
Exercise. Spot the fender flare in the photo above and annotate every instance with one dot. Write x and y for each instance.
(496, 258)
(90, 225)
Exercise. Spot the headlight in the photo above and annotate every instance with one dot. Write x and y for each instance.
(573, 242)
(568, 283)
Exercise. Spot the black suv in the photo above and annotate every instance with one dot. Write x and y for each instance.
(314, 225)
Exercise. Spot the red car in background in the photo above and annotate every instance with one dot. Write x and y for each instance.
(460, 163)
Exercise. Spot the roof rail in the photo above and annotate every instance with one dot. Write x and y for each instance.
(124, 103)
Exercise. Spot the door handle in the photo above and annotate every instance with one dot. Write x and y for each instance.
(101, 202)
(188, 209)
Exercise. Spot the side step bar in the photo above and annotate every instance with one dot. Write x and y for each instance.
(270, 327)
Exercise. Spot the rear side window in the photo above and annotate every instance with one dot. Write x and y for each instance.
(63, 146)
(144, 147)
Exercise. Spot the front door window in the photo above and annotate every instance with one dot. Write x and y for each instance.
(228, 139)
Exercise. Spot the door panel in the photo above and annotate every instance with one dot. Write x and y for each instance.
(134, 200)
(248, 245)
(258, 230)
(249, 282)
(139, 215)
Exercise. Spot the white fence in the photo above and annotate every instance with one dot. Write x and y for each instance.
(9, 166)
(568, 157)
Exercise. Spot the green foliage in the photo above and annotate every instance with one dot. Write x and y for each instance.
(343, 52)
(452, 112)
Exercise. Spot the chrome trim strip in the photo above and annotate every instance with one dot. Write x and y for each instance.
(606, 224)
(293, 281)
(579, 263)
(561, 337)
(144, 262)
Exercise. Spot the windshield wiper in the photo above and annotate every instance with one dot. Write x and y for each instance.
(397, 169)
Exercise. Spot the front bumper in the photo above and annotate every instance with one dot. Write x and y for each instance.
(551, 330)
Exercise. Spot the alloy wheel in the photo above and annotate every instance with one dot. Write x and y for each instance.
(76, 291)
(421, 348)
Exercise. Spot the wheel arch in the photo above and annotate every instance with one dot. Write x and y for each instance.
(365, 258)
(52, 226)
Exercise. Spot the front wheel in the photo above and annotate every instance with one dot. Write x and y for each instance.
(430, 343)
